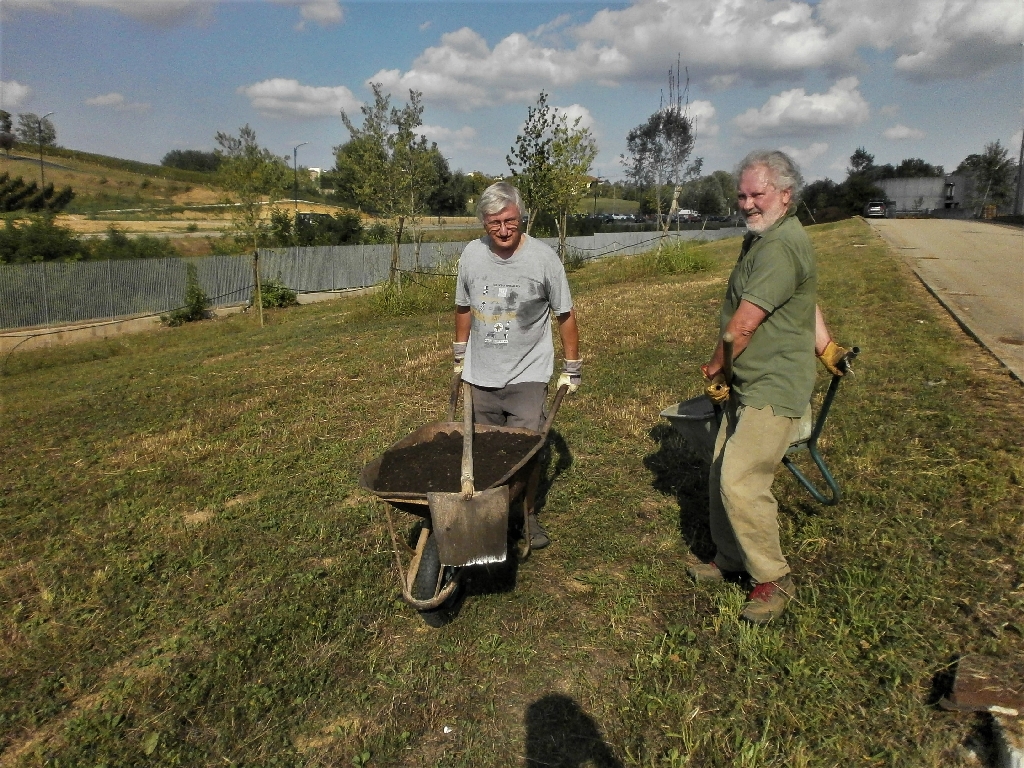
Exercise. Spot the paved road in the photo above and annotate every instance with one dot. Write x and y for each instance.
(976, 269)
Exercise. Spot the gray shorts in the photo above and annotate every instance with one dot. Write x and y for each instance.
(515, 405)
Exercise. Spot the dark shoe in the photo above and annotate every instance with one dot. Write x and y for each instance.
(711, 572)
(538, 536)
(768, 601)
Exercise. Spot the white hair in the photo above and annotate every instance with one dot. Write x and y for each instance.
(784, 170)
(496, 198)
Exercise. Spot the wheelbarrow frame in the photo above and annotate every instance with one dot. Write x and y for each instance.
(517, 479)
(687, 425)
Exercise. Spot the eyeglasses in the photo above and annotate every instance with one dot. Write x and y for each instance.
(494, 226)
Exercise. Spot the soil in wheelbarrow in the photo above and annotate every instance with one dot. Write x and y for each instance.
(436, 465)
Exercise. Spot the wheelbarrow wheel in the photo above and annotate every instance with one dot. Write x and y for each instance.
(426, 582)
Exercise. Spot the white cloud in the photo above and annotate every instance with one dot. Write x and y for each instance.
(322, 12)
(703, 114)
(807, 154)
(425, 26)
(13, 94)
(118, 103)
(464, 72)
(934, 39)
(281, 97)
(577, 111)
(797, 112)
(459, 138)
(900, 132)
(724, 42)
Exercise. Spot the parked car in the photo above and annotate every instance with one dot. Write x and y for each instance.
(877, 209)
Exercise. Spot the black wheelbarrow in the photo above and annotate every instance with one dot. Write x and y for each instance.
(423, 463)
(697, 421)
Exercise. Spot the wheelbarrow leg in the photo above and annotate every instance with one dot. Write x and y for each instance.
(524, 545)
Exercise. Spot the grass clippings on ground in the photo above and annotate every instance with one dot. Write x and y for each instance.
(190, 576)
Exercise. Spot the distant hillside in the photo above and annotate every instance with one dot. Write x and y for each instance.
(116, 163)
(102, 183)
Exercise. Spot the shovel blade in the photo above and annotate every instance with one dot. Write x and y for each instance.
(471, 531)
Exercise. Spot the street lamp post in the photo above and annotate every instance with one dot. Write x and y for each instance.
(295, 174)
(42, 175)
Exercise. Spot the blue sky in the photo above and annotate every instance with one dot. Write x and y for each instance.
(935, 79)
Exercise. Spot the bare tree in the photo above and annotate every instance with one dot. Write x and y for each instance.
(659, 148)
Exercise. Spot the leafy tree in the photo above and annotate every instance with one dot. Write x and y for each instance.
(861, 161)
(5, 122)
(573, 150)
(16, 195)
(451, 190)
(658, 150)
(916, 168)
(530, 160)
(308, 229)
(254, 175)
(192, 160)
(993, 174)
(389, 166)
(32, 130)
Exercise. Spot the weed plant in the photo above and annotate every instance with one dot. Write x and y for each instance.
(196, 301)
(418, 293)
(276, 295)
(190, 575)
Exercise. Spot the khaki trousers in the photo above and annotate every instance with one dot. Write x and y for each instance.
(744, 513)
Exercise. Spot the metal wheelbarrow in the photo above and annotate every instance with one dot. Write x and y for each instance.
(428, 584)
(697, 421)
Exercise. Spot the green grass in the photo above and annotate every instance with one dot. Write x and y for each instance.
(189, 575)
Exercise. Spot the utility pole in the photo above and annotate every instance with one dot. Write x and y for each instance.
(1018, 198)
(39, 135)
(295, 174)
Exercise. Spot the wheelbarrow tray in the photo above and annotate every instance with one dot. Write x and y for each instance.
(515, 477)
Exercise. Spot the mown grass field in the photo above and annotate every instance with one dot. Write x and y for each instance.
(189, 575)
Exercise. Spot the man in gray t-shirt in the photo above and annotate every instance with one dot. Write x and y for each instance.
(508, 286)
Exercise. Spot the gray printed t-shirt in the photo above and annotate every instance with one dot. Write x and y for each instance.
(510, 302)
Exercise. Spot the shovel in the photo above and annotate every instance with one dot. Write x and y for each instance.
(471, 528)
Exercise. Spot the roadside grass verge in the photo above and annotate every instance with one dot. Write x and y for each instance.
(189, 575)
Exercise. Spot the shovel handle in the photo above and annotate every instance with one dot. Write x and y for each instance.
(727, 342)
(467, 443)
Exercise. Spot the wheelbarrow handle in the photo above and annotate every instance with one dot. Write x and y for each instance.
(555, 404)
(727, 344)
(453, 398)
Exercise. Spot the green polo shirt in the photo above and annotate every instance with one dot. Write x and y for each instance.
(776, 271)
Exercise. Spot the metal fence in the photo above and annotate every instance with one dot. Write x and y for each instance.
(55, 293)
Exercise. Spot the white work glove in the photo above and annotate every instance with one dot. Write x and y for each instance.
(572, 375)
(459, 354)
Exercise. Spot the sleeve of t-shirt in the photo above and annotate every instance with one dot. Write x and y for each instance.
(559, 296)
(773, 278)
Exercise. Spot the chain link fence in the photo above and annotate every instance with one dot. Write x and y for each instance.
(56, 293)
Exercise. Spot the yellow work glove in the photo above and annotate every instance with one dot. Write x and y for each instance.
(572, 375)
(459, 354)
(831, 357)
(718, 391)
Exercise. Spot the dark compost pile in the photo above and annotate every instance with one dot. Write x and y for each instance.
(436, 465)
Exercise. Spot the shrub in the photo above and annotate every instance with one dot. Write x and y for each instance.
(39, 240)
(674, 258)
(117, 245)
(196, 301)
(418, 294)
(276, 294)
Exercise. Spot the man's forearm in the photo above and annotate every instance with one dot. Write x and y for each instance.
(570, 335)
(463, 324)
(821, 333)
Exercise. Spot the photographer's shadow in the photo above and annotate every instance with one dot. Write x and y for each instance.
(677, 471)
(559, 733)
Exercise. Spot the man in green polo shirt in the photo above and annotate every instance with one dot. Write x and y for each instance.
(770, 308)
